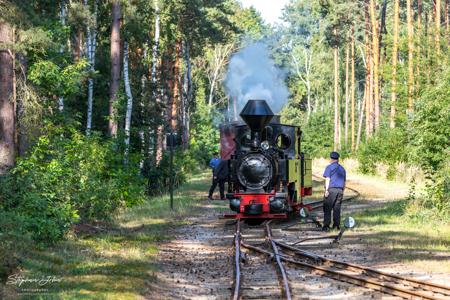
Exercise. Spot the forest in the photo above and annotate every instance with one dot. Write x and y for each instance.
(89, 90)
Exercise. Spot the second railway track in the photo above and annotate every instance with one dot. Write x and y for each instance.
(274, 281)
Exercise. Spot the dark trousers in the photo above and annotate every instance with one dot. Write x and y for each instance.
(221, 183)
(332, 203)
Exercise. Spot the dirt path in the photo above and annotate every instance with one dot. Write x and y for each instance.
(197, 264)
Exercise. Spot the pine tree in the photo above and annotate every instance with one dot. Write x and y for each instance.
(7, 101)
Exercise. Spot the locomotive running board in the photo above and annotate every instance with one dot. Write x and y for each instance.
(260, 216)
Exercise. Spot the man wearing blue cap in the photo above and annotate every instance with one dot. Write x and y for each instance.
(335, 177)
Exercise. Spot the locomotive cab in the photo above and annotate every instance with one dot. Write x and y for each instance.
(269, 175)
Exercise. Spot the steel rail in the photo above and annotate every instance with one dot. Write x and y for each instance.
(276, 255)
(428, 286)
(341, 276)
(237, 261)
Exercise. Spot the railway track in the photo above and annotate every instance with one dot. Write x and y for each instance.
(280, 252)
(257, 279)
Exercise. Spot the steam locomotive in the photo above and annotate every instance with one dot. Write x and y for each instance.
(269, 174)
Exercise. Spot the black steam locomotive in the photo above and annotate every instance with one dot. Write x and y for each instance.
(269, 174)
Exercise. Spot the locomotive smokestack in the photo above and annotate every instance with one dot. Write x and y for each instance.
(256, 114)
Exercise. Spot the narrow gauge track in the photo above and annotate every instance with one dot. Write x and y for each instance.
(257, 279)
(347, 272)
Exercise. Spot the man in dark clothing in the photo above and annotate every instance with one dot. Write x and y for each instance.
(220, 175)
(335, 178)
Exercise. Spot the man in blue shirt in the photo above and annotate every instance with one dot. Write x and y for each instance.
(214, 164)
(335, 177)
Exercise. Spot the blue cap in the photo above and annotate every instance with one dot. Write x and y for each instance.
(334, 155)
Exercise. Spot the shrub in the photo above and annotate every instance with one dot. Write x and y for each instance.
(431, 142)
(389, 147)
(66, 178)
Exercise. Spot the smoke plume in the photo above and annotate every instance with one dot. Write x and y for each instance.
(252, 74)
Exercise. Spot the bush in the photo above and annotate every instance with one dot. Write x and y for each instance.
(431, 142)
(389, 147)
(159, 176)
(66, 178)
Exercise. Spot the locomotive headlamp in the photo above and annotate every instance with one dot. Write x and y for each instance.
(255, 171)
(265, 145)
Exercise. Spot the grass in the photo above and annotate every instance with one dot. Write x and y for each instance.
(424, 244)
(117, 262)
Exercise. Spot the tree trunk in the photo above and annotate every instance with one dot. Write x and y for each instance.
(187, 94)
(368, 86)
(176, 87)
(447, 28)
(212, 86)
(418, 50)
(352, 88)
(7, 101)
(438, 27)
(115, 68)
(91, 45)
(376, 60)
(129, 100)
(410, 55)
(347, 96)
(360, 121)
(143, 116)
(394, 63)
(62, 20)
(336, 97)
(156, 94)
(77, 45)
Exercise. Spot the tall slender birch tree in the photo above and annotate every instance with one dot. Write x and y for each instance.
(62, 20)
(126, 79)
(156, 95)
(91, 45)
(115, 68)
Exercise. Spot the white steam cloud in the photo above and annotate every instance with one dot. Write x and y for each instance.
(252, 74)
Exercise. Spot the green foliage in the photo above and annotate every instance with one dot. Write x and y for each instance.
(389, 147)
(318, 135)
(66, 178)
(54, 80)
(317, 132)
(431, 141)
(204, 134)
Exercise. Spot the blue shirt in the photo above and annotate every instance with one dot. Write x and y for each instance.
(214, 162)
(337, 175)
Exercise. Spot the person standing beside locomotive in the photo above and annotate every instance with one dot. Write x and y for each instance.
(335, 179)
(220, 174)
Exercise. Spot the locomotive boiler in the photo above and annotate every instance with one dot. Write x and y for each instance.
(269, 173)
